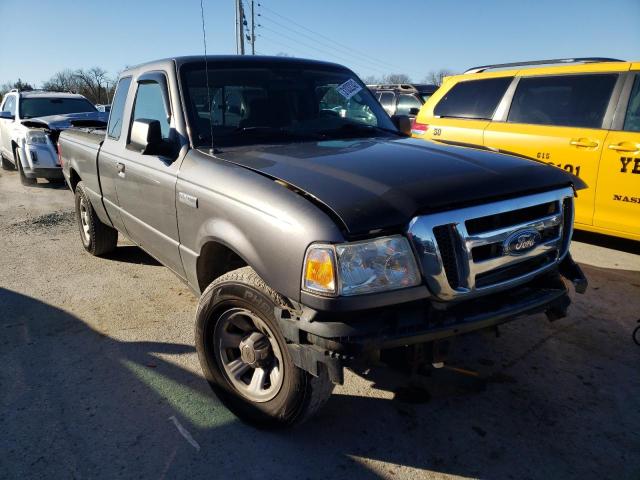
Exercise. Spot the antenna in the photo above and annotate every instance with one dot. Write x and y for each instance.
(206, 73)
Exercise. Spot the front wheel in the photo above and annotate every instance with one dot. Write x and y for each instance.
(245, 358)
(23, 178)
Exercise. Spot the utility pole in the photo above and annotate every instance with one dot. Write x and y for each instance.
(253, 29)
(239, 28)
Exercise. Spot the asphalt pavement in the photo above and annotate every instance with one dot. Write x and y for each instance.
(99, 378)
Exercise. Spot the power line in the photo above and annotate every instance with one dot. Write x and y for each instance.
(324, 36)
(344, 49)
(349, 60)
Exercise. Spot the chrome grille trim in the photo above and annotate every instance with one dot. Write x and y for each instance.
(427, 249)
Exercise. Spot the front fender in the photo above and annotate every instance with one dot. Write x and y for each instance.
(263, 222)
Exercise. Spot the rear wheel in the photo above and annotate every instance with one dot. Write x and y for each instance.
(97, 237)
(23, 178)
(245, 358)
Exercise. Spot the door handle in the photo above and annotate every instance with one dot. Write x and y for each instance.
(120, 168)
(625, 147)
(583, 142)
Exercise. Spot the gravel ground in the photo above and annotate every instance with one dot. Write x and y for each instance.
(99, 378)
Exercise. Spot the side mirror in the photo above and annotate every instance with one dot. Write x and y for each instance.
(146, 137)
(402, 123)
(7, 116)
(414, 111)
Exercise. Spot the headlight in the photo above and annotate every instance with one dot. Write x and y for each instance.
(36, 137)
(370, 266)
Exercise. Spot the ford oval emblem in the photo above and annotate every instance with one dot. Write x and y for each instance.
(521, 242)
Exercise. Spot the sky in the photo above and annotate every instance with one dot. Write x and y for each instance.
(40, 37)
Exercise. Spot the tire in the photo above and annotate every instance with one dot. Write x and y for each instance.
(6, 164)
(24, 180)
(97, 238)
(291, 396)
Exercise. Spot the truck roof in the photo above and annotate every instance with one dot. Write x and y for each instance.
(239, 59)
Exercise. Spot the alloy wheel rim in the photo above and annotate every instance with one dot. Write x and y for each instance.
(84, 220)
(249, 354)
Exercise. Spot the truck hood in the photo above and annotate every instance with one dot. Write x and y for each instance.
(68, 120)
(373, 184)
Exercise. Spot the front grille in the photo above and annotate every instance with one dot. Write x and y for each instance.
(476, 250)
(445, 236)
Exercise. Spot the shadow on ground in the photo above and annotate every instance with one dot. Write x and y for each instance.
(131, 254)
(607, 241)
(76, 403)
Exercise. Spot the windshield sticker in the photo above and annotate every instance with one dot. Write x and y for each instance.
(349, 88)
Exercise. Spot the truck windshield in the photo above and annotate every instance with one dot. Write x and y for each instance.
(282, 103)
(42, 107)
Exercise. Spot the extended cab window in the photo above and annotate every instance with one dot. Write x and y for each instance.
(475, 99)
(632, 118)
(117, 108)
(563, 100)
(149, 105)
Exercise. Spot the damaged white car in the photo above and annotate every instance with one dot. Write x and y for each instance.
(30, 122)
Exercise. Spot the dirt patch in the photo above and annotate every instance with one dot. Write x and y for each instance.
(46, 222)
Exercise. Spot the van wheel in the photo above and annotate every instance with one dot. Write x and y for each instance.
(6, 164)
(245, 358)
(97, 237)
(23, 178)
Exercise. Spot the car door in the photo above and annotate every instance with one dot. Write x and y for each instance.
(6, 125)
(617, 203)
(560, 119)
(462, 112)
(146, 183)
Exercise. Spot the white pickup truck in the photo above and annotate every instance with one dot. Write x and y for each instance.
(30, 123)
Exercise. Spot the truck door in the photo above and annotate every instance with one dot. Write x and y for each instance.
(112, 152)
(559, 119)
(617, 204)
(146, 182)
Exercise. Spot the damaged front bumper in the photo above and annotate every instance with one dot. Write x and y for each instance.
(333, 339)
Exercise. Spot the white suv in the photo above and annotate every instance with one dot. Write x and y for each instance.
(30, 123)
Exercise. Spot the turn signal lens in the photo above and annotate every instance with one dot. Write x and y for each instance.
(319, 271)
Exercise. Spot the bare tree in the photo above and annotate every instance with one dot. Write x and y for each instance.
(436, 77)
(20, 85)
(63, 81)
(371, 80)
(396, 78)
(94, 83)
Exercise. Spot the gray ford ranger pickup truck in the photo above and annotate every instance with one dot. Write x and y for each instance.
(316, 233)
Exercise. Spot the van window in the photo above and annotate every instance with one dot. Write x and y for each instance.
(632, 118)
(386, 99)
(563, 100)
(476, 99)
(117, 108)
(406, 103)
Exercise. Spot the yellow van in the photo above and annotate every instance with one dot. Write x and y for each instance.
(579, 114)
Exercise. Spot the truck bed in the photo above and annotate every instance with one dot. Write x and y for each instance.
(85, 135)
